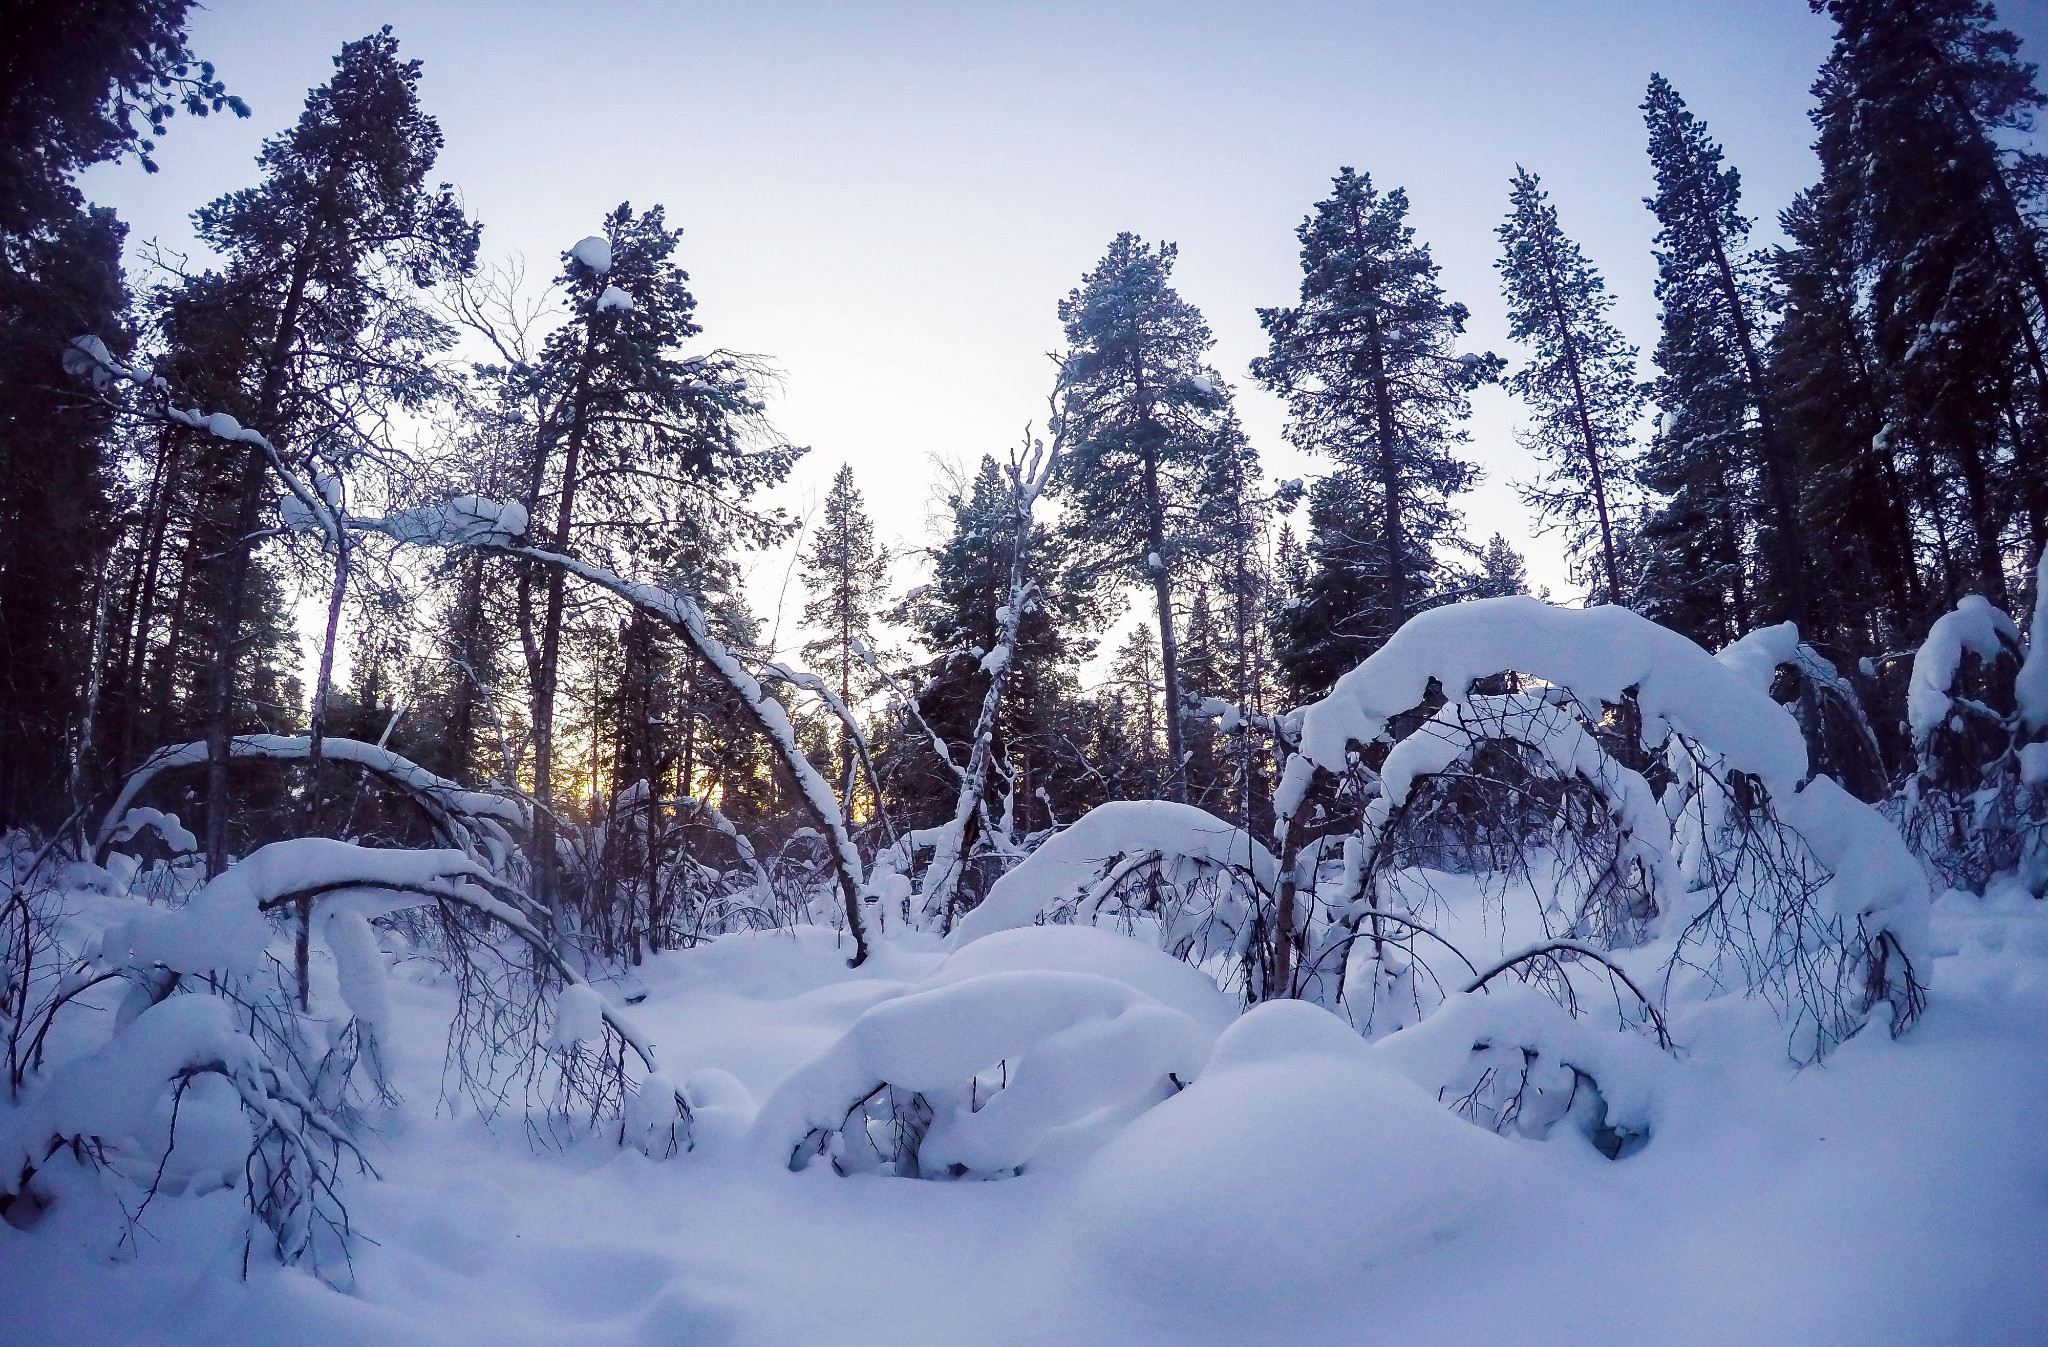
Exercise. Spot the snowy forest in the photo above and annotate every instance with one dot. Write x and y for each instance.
(438, 909)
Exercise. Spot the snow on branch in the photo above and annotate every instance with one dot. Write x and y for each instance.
(1185, 841)
(455, 811)
(1594, 654)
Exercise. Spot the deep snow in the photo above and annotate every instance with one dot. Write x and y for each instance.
(1303, 1189)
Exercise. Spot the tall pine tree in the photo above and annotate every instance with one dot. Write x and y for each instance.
(1144, 413)
(1719, 431)
(1581, 383)
(846, 576)
(1369, 366)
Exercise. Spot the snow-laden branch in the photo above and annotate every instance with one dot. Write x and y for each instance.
(450, 806)
(810, 682)
(682, 615)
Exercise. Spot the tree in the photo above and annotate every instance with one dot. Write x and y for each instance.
(846, 576)
(1581, 384)
(1719, 422)
(1145, 411)
(636, 451)
(1501, 570)
(1368, 364)
(74, 79)
(1939, 226)
(310, 313)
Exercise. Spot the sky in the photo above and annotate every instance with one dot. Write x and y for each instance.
(889, 200)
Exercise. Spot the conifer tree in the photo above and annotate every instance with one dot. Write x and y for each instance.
(1501, 570)
(1581, 383)
(1719, 429)
(846, 576)
(1143, 411)
(636, 451)
(1368, 364)
(306, 306)
(79, 85)
(1940, 227)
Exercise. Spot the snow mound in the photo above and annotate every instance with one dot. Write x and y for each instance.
(1088, 949)
(1296, 1161)
(614, 298)
(1512, 1060)
(114, 1093)
(999, 1062)
(1068, 865)
(594, 252)
(1976, 628)
(1595, 654)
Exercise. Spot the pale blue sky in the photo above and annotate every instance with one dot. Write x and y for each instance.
(889, 199)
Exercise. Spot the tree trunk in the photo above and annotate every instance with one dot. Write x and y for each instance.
(240, 554)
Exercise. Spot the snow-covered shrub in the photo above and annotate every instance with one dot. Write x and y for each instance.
(1761, 882)
(1015, 1044)
(1511, 1060)
(183, 1099)
(1174, 875)
(1976, 804)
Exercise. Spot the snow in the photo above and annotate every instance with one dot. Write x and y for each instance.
(174, 834)
(1877, 885)
(1069, 864)
(1975, 627)
(113, 1093)
(614, 298)
(579, 1018)
(2034, 765)
(1074, 1043)
(1305, 1187)
(359, 970)
(1594, 653)
(594, 252)
(1297, 1162)
(465, 521)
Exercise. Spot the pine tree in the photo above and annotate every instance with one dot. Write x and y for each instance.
(1581, 384)
(306, 314)
(80, 84)
(1143, 411)
(1368, 364)
(635, 450)
(1939, 223)
(1501, 570)
(1719, 427)
(954, 616)
(846, 576)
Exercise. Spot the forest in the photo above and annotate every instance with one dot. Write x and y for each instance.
(1337, 940)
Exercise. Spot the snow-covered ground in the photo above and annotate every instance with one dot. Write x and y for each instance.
(1301, 1190)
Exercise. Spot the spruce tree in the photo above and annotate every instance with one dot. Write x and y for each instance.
(846, 576)
(1581, 384)
(1502, 570)
(1719, 429)
(1368, 363)
(1143, 411)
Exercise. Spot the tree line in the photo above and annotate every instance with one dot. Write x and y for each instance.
(1843, 431)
